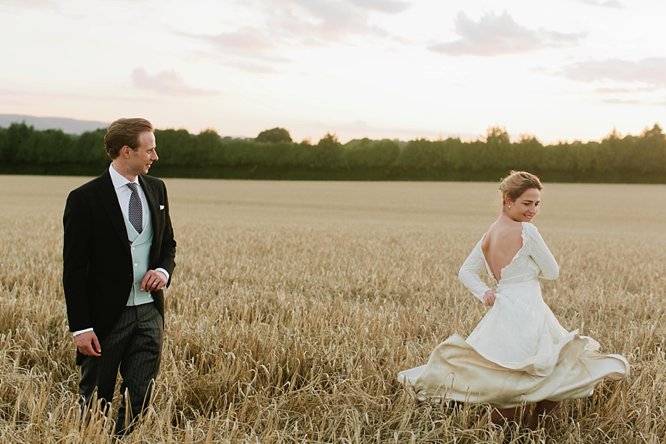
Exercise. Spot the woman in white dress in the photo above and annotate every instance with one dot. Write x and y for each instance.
(519, 354)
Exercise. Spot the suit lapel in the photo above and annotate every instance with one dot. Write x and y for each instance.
(152, 203)
(110, 201)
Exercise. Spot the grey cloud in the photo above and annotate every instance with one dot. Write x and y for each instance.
(604, 4)
(165, 82)
(248, 49)
(31, 4)
(254, 68)
(387, 6)
(651, 71)
(307, 21)
(267, 65)
(554, 38)
(644, 89)
(500, 34)
(245, 39)
(320, 20)
(614, 101)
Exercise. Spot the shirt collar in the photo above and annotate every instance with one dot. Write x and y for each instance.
(118, 179)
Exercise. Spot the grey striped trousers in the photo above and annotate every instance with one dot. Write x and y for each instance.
(135, 347)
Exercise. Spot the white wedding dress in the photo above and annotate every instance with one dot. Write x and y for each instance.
(519, 353)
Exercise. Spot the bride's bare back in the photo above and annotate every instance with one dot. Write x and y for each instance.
(501, 243)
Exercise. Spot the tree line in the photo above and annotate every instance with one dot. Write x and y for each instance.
(274, 155)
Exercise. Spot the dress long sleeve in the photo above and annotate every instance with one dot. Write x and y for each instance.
(541, 254)
(471, 270)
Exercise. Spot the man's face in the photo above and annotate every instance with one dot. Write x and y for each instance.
(140, 160)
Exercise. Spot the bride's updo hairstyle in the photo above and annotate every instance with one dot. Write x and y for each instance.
(516, 183)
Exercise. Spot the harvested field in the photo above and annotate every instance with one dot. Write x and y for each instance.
(294, 305)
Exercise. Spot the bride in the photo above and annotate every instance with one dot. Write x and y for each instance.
(519, 354)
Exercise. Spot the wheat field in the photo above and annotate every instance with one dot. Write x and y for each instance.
(294, 304)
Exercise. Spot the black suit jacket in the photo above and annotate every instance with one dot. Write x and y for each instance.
(97, 263)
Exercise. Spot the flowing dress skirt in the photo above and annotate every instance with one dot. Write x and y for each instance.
(519, 353)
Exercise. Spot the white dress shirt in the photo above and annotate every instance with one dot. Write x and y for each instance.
(123, 192)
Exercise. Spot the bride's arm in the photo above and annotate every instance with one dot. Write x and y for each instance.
(469, 273)
(542, 255)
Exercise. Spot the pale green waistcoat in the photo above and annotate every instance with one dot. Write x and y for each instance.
(140, 249)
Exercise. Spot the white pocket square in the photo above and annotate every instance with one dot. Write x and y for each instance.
(161, 207)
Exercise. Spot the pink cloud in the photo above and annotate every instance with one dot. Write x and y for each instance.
(166, 82)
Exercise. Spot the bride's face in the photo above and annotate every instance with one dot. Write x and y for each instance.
(526, 207)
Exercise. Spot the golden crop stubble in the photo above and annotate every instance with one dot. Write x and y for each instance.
(294, 304)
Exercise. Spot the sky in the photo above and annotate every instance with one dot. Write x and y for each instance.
(559, 70)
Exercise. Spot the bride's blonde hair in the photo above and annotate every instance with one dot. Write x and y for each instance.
(516, 183)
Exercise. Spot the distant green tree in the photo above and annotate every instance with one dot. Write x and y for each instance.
(497, 136)
(274, 135)
(174, 146)
(4, 146)
(526, 154)
(455, 151)
(635, 156)
(449, 153)
(366, 153)
(273, 154)
(653, 149)
(236, 152)
(288, 154)
(497, 153)
(89, 148)
(655, 133)
(615, 157)
(328, 152)
(582, 157)
(204, 146)
(423, 154)
(16, 137)
(51, 146)
(477, 158)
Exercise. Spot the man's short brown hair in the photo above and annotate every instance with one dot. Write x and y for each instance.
(125, 132)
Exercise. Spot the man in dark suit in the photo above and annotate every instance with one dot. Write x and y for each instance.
(118, 255)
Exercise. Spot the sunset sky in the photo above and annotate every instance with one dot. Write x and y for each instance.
(559, 70)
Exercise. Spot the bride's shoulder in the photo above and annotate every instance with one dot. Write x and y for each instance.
(530, 229)
(502, 231)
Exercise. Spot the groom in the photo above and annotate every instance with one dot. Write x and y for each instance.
(118, 257)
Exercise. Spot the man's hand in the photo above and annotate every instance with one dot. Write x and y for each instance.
(87, 344)
(489, 298)
(153, 280)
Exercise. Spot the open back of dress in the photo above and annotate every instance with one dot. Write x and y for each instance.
(499, 251)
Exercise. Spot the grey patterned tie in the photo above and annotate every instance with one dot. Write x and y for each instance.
(135, 212)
